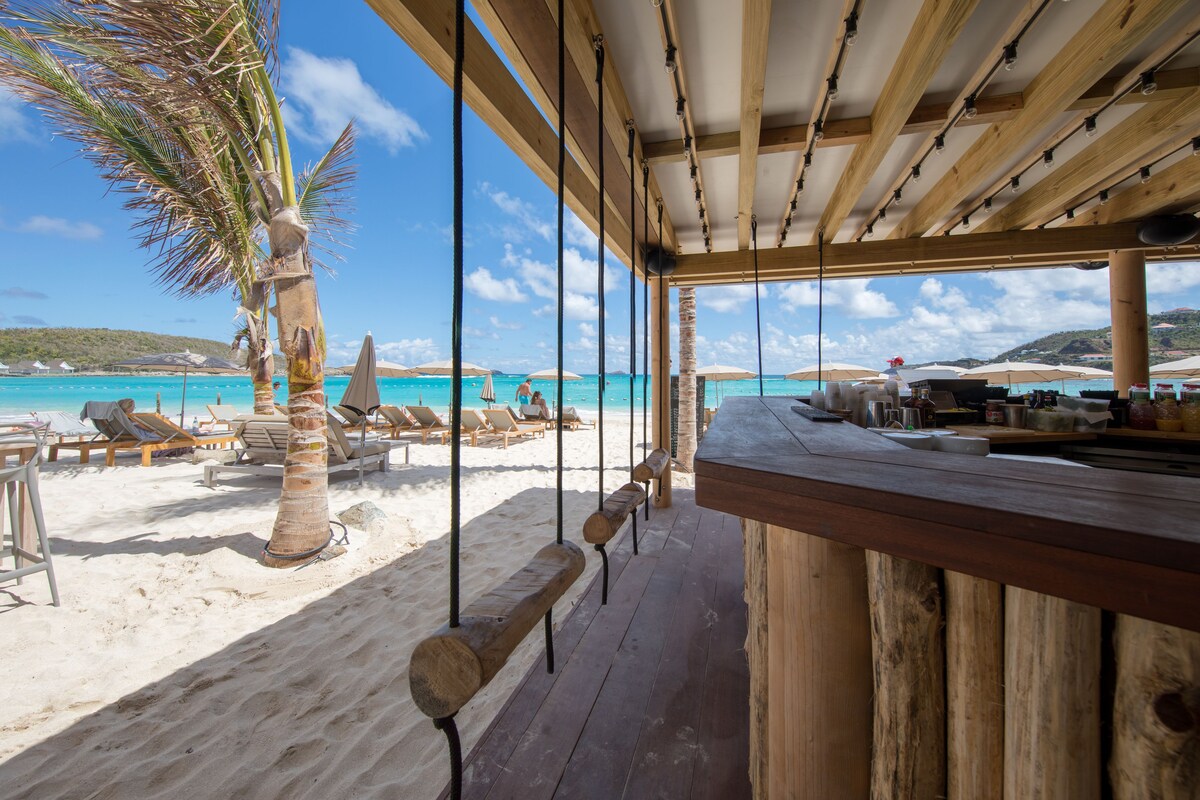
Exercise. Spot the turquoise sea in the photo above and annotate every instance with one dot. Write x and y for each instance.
(70, 392)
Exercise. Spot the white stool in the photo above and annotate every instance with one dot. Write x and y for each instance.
(20, 439)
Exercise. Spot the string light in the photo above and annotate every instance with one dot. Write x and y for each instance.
(656, 3)
(916, 173)
(870, 230)
(969, 110)
(832, 94)
(818, 131)
(939, 143)
(966, 222)
(1070, 213)
(807, 161)
(896, 195)
(1149, 84)
(1196, 146)
(1010, 56)
(794, 203)
(701, 213)
(987, 205)
(687, 145)
(800, 187)
(697, 195)
(851, 29)
(1015, 183)
(670, 63)
(883, 213)
(1089, 126)
(679, 104)
(1144, 173)
(1048, 158)
(693, 171)
(1103, 197)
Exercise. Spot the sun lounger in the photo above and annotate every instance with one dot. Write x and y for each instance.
(111, 425)
(572, 420)
(394, 421)
(354, 420)
(163, 434)
(505, 425)
(427, 421)
(531, 412)
(221, 415)
(473, 425)
(262, 448)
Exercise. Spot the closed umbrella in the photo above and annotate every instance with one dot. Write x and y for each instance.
(832, 372)
(186, 361)
(447, 368)
(1172, 370)
(1010, 372)
(488, 393)
(362, 394)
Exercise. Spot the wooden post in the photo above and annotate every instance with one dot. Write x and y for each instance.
(660, 380)
(1127, 299)
(1052, 699)
(818, 668)
(1156, 714)
(754, 546)
(974, 688)
(910, 692)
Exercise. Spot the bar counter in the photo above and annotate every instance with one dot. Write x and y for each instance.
(1122, 541)
(926, 624)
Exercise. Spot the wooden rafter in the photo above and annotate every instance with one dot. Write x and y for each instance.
(493, 93)
(833, 66)
(1025, 15)
(1006, 249)
(1149, 134)
(933, 33)
(927, 117)
(756, 25)
(1174, 190)
(1120, 87)
(1108, 35)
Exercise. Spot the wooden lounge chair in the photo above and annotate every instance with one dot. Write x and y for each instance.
(167, 436)
(262, 447)
(572, 420)
(505, 425)
(472, 426)
(393, 421)
(354, 420)
(224, 416)
(531, 412)
(427, 421)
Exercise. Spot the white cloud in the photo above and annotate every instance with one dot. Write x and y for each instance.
(500, 324)
(575, 306)
(63, 229)
(1172, 278)
(578, 233)
(852, 296)
(326, 93)
(528, 221)
(579, 275)
(587, 329)
(728, 299)
(408, 351)
(14, 125)
(501, 290)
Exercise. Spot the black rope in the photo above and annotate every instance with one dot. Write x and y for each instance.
(598, 46)
(645, 322)
(550, 641)
(632, 322)
(456, 318)
(820, 302)
(604, 583)
(562, 159)
(664, 351)
(447, 726)
(757, 317)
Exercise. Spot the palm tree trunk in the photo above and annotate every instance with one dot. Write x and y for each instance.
(687, 377)
(302, 522)
(260, 360)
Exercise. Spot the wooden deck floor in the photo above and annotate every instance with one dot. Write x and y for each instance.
(649, 699)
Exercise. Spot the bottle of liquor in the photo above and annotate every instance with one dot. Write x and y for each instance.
(927, 408)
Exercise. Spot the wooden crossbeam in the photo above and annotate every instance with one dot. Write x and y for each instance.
(1107, 37)
(756, 25)
(1025, 15)
(978, 251)
(1138, 139)
(933, 33)
(492, 92)
(1174, 190)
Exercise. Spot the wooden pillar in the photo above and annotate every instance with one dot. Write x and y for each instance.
(754, 546)
(1127, 298)
(660, 379)
(1052, 697)
(974, 688)
(1156, 714)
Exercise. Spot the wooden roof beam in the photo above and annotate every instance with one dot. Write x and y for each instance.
(756, 25)
(1107, 37)
(889, 257)
(1174, 190)
(494, 94)
(1149, 134)
(1025, 17)
(933, 33)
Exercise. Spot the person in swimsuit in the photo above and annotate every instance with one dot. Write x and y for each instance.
(525, 392)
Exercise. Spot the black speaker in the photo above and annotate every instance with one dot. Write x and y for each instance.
(660, 262)
(1168, 229)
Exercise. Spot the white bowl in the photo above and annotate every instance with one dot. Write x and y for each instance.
(967, 445)
(917, 441)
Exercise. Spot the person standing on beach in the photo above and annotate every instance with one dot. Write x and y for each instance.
(525, 392)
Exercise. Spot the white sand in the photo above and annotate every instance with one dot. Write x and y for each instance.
(178, 667)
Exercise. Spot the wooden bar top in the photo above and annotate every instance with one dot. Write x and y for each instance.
(1124, 541)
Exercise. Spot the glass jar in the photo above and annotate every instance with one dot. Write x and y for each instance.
(1141, 412)
(1190, 411)
(1167, 414)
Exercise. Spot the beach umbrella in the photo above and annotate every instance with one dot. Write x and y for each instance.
(1172, 370)
(447, 368)
(552, 375)
(390, 369)
(488, 393)
(939, 368)
(723, 372)
(186, 361)
(1010, 372)
(362, 394)
(832, 372)
(1084, 374)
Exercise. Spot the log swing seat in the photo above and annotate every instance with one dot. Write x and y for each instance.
(653, 467)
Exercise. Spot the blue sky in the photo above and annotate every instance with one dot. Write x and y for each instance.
(67, 257)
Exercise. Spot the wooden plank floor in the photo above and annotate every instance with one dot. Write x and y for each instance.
(649, 699)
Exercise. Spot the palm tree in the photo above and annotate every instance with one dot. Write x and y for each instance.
(175, 105)
(686, 450)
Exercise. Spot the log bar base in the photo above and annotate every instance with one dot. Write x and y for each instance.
(452, 665)
(603, 525)
(652, 467)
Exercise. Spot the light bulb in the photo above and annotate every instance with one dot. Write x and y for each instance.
(832, 94)
(896, 195)
(1103, 196)
(1144, 173)
(1070, 213)
(851, 29)
(916, 173)
(939, 143)
(987, 205)
(966, 222)
(1048, 158)
(1196, 146)
(800, 187)
(883, 213)
(818, 131)
(656, 3)
(701, 213)
(1010, 56)
(969, 110)
(794, 202)
(1015, 183)
(687, 145)
(679, 104)
(1149, 84)
(870, 231)
(698, 195)
(1089, 126)
(670, 63)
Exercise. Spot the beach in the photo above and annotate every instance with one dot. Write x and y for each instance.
(178, 666)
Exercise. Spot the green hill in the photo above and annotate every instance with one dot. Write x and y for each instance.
(96, 348)
(1067, 347)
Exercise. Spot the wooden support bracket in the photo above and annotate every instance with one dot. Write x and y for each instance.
(449, 667)
(603, 525)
